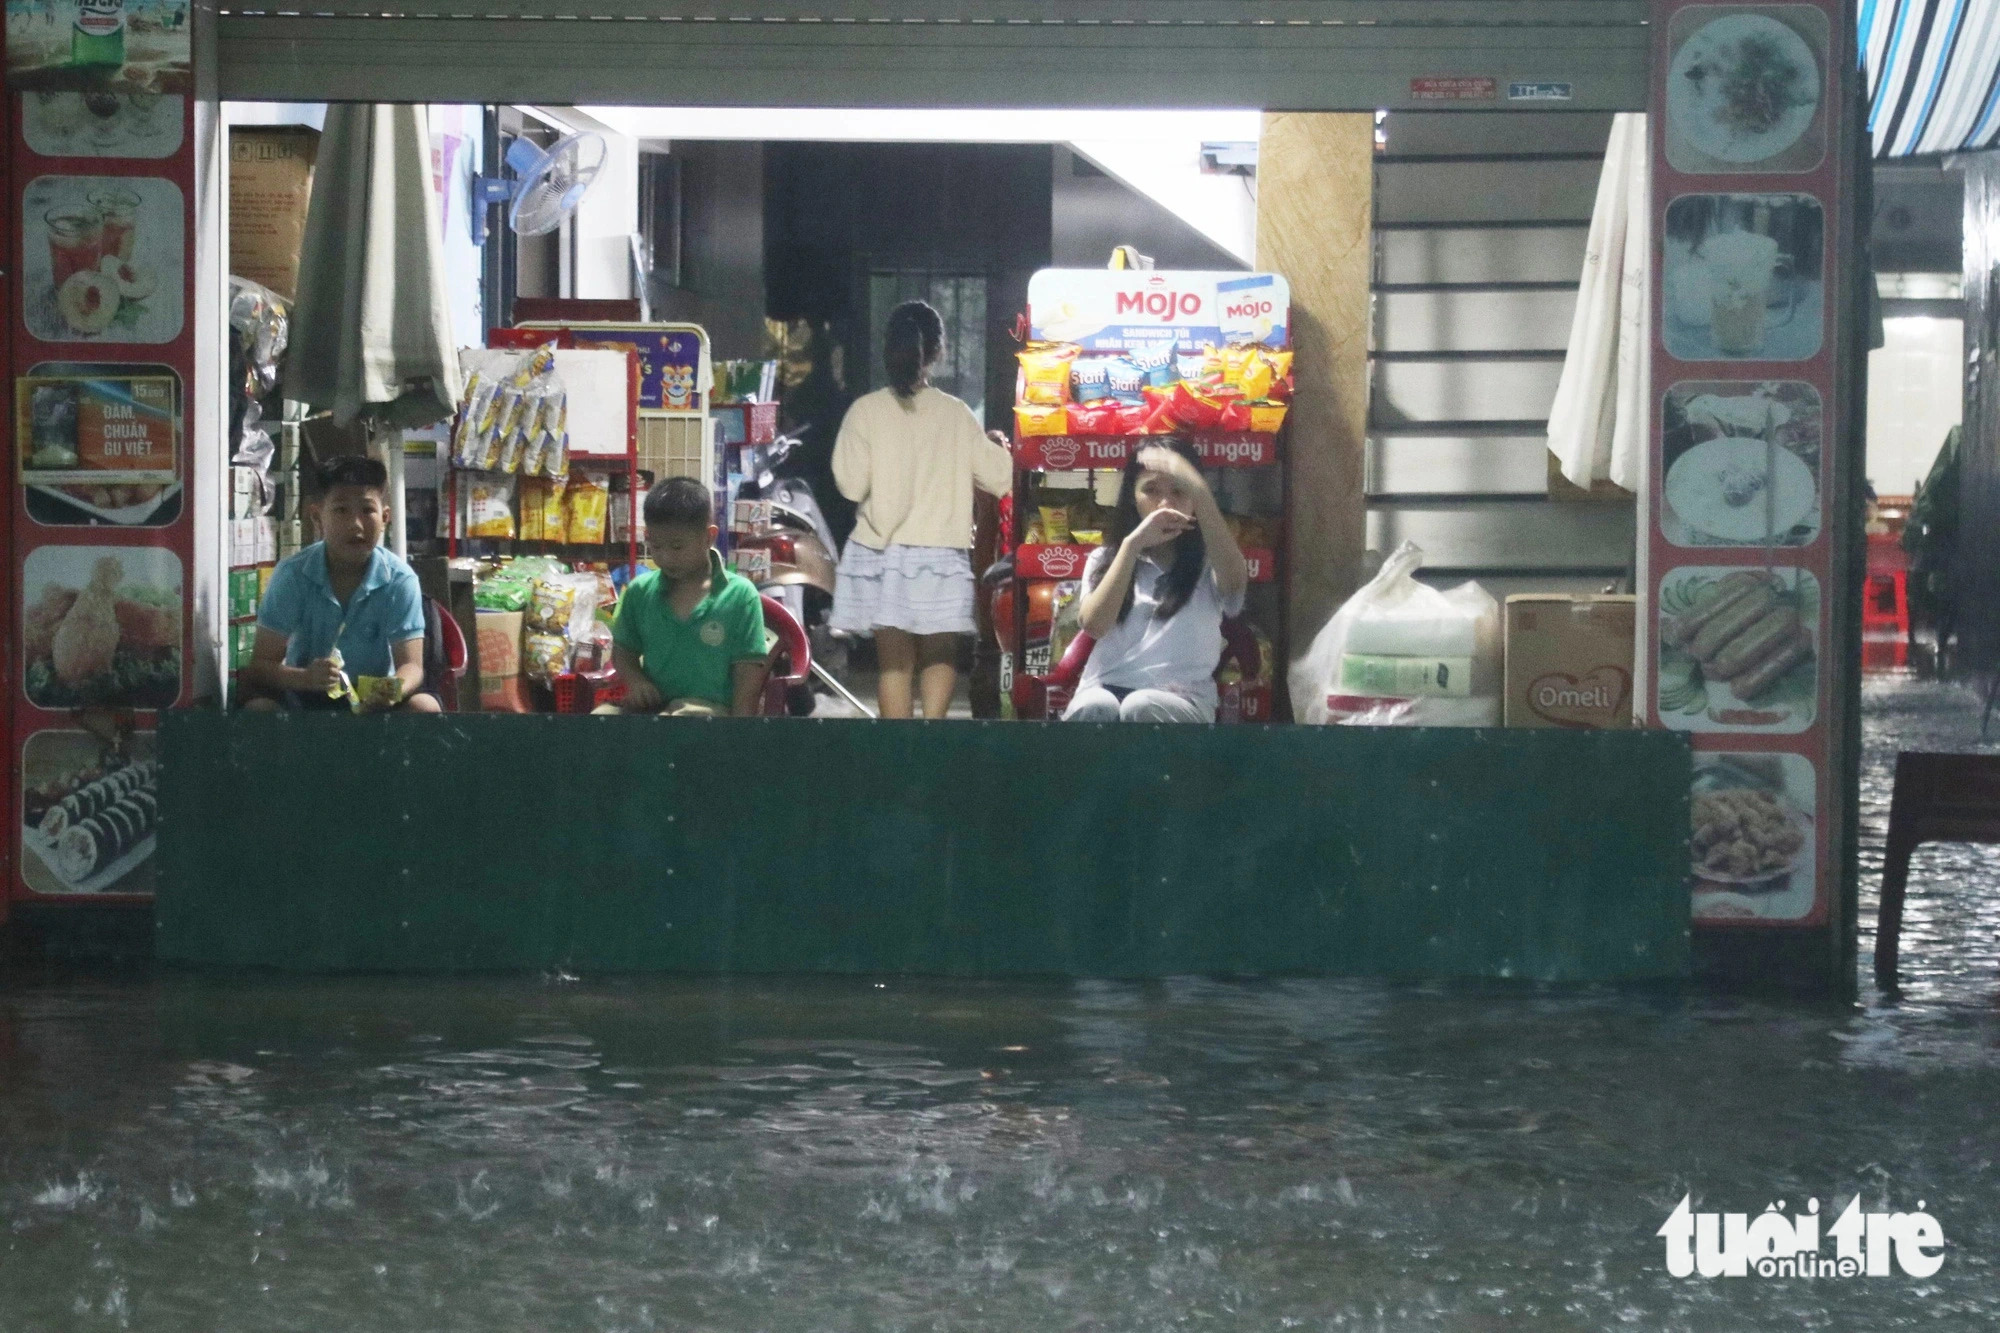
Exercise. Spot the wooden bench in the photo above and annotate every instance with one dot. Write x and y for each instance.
(1937, 798)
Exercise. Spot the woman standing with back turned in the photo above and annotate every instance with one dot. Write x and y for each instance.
(909, 457)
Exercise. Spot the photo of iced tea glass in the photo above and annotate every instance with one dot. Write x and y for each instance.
(1744, 269)
(76, 241)
(119, 208)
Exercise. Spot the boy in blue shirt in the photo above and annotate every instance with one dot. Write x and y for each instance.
(345, 591)
(689, 637)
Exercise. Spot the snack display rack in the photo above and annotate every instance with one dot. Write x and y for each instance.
(626, 462)
(1179, 316)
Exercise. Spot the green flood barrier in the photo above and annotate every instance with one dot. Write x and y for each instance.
(480, 843)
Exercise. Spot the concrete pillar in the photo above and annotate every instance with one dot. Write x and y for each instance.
(1315, 224)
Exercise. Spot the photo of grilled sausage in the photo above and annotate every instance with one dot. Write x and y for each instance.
(1744, 613)
(1724, 594)
(1764, 639)
(1763, 676)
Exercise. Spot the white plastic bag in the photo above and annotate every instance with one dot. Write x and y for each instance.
(1391, 619)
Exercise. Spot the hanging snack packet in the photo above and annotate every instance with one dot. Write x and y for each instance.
(589, 508)
(1125, 381)
(542, 517)
(1045, 374)
(552, 458)
(524, 424)
(489, 507)
(472, 410)
(1040, 421)
(1156, 363)
(1087, 379)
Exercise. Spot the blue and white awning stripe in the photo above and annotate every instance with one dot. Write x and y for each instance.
(1933, 74)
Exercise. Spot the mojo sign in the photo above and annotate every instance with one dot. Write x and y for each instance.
(1113, 310)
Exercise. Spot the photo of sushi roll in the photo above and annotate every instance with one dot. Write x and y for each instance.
(89, 812)
(102, 838)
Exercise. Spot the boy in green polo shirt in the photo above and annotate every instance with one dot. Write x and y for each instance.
(689, 637)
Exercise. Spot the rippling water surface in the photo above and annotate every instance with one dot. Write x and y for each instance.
(187, 1153)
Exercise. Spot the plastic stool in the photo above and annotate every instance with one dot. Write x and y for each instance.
(1885, 619)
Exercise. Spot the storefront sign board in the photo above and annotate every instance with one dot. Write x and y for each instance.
(101, 179)
(1745, 578)
(1109, 310)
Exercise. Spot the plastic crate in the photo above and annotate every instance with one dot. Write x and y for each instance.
(580, 693)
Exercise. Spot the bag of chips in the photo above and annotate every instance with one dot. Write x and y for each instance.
(505, 590)
(1156, 363)
(1093, 418)
(1267, 417)
(1124, 381)
(489, 507)
(1194, 409)
(1087, 379)
(542, 516)
(1045, 369)
(1030, 421)
(589, 503)
(1199, 366)
(544, 656)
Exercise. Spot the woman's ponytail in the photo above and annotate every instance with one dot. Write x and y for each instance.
(912, 341)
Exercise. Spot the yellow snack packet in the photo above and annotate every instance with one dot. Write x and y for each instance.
(1041, 421)
(1045, 374)
(589, 507)
(1267, 417)
(1257, 376)
(376, 692)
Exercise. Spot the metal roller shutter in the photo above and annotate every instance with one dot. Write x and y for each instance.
(1284, 54)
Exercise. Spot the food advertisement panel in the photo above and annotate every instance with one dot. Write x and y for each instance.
(1747, 210)
(101, 528)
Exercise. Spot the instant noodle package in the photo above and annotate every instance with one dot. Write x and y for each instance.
(1161, 389)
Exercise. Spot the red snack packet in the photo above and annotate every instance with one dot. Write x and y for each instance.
(1235, 415)
(1197, 411)
(1133, 418)
(1093, 418)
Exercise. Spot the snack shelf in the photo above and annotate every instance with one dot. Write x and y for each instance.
(1065, 560)
(1068, 453)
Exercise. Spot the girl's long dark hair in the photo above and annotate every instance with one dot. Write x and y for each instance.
(1190, 552)
(911, 341)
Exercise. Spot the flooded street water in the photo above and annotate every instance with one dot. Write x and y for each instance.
(179, 1152)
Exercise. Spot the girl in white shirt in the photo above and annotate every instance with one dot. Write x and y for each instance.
(909, 457)
(1156, 594)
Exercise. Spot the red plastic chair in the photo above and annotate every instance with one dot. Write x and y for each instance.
(790, 664)
(456, 655)
(791, 656)
(1033, 694)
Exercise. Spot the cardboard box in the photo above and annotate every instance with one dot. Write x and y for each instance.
(1569, 661)
(245, 588)
(242, 644)
(270, 184)
(265, 541)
